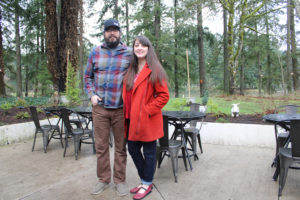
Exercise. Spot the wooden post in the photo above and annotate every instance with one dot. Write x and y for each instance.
(188, 72)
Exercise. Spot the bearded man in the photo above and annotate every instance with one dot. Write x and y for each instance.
(106, 67)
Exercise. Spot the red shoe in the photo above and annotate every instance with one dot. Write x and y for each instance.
(135, 189)
(147, 191)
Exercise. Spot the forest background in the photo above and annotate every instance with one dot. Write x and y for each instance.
(253, 52)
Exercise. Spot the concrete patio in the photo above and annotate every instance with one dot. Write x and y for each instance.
(222, 172)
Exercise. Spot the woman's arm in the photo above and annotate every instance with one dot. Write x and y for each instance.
(161, 98)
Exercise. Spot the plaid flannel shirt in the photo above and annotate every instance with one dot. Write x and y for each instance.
(104, 74)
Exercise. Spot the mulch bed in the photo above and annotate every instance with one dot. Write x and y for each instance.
(9, 117)
(244, 119)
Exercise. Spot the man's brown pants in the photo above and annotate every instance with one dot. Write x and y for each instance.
(103, 120)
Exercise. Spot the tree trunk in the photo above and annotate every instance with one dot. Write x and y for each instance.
(157, 27)
(62, 45)
(258, 62)
(81, 42)
(68, 40)
(230, 49)
(297, 6)
(202, 71)
(116, 10)
(225, 40)
(234, 55)
(72, 31)
(58, 17)
(269, 74)
(288, 51)
(37, 61)
(26, 80)
(282, 74)
(294, 48)
(127, 22)
(242, 76)
(2, 71)
(42, 36)
(52, 41)
(18, 51)
(175, 51)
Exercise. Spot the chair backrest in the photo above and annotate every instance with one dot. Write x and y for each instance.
(291, 109)
(34, 116)
(295, 137)
(65, 117)
(164, 141)
(194, 107)
(288, 109)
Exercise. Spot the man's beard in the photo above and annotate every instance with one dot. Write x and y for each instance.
(112, 45)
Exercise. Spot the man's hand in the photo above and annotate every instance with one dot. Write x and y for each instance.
(95, 100)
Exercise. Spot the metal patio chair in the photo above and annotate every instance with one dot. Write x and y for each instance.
(44, 129)
(193, 132)
(172, 147)
(76, 133)
(289, 155)
(281, 137)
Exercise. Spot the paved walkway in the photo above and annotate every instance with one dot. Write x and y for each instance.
(221, 173)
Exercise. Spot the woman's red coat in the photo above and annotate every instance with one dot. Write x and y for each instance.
(147, 101)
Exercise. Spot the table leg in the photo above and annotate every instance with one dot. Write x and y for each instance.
(277, 171)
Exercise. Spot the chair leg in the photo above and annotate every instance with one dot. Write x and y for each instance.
(174, 158)
(159, 158)
(61, 134)
(76, 145)
(187, 153)
(200, 143)
(36, 131)
(61, 139)
(284, 166)
(66, 143)
(184, 158)
(276, 173)
(93, 141)
(45, 140)
(194, 146)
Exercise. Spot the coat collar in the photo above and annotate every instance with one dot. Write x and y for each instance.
(146, 71)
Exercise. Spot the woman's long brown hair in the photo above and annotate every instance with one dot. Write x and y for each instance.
(158, 72)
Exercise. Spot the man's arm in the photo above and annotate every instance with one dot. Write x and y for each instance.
(89, 80)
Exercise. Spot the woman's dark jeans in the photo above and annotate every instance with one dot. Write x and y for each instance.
(145, 162)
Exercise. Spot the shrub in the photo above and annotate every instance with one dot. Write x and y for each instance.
(72, 86)
(177, 104)
(39, 110)
(221, 120)
(22, 115)
(37, 100)
(21, 102)
(6, 106)
(204, 99)
(213, 107)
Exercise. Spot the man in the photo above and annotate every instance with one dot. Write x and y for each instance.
(103, 78)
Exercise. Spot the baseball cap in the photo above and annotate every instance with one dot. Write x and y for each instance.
(111, 22)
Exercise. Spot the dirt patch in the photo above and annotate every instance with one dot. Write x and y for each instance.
(10, 116)
(244, 119)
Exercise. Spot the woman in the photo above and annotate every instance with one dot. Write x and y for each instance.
(145, 93)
